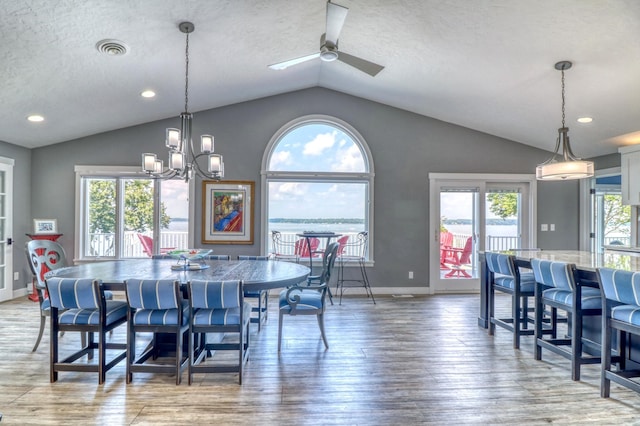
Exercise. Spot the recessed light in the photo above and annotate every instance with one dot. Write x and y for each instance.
(585, 120)
(148, 94)
(35, 118)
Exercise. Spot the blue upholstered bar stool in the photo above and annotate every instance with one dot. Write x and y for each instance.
(155, 306)
(80, 305)
(621, 315)
(262, 295)
(557, 288)
(505, 277)
(217, 307)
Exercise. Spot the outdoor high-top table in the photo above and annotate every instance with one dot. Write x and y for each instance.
(255, 274)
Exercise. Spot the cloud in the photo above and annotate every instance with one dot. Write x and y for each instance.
(320, 143)
(280, 158)
(348, 160)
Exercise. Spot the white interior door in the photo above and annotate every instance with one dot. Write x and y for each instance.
(6, 228)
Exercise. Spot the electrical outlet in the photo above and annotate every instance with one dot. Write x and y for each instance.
(544, 227)
(410, 275)
(16, 276)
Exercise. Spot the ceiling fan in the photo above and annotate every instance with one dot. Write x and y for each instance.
(336, 16)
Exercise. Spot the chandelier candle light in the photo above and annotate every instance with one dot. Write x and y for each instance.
(182, 158)
(568, 166)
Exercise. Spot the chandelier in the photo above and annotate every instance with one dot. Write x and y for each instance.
(565, 165)
(182, 161)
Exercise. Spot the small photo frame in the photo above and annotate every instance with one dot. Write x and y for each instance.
(45, 226)
(227, 212)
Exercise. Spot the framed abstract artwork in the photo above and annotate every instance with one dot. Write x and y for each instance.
(227, 212)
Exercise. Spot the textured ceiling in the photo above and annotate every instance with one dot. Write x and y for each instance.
(483, 64)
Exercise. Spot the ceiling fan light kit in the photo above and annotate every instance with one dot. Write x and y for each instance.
(329, 51)
(564, 165)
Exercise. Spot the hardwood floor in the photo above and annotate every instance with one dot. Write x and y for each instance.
(420, 360)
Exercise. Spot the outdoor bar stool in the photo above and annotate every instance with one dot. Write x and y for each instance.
(155, 306)
(505, 277)
(355, 252)
(557, 288)
(80, 305)
(621, 315)
(262, 295)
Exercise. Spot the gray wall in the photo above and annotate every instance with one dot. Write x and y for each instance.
(405, 148)
(22, 219)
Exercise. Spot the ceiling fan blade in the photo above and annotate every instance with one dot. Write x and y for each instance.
(361, 64)
(296, 61)
(336, 16)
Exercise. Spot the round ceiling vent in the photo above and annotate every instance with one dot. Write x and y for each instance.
(112, 47)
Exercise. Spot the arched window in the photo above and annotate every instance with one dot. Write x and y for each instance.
(317, 176)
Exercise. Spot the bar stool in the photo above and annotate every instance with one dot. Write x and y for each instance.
(354, 251)
(505, 277)
(620, 315)
(557, 288)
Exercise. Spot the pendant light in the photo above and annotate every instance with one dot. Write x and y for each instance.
(564, 165)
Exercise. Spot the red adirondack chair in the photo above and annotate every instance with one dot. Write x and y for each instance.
(459, 258)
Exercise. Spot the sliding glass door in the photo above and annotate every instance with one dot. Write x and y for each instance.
(488, 212)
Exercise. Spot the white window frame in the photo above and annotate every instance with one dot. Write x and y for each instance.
(115, 172)
(312, 176)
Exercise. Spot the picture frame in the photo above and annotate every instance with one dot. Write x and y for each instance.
(227, 212)
(45, 226)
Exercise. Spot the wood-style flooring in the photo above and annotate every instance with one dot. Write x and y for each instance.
(404, 361)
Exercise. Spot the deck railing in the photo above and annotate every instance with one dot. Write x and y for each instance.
(492, 243)
(289, 238)
(102, 245)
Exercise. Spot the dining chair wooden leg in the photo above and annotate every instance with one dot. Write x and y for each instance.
(280, 318)
(43, 320)
(321, 325)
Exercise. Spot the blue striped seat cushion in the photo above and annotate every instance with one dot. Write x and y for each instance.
(527, 281)
(161, 316)
(591, 298)
(229, 316)
(116, 310)
(626, 313)
(309, 300)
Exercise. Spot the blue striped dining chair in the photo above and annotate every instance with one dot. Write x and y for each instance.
(262, 295)
(557, 288)
(217, 307)
(80, 305)
(155, 306)
(621, 315)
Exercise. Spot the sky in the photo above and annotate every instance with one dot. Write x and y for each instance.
(324, 148)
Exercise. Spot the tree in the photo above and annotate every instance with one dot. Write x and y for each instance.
(617, 217)
(138, 206)
(503, 204)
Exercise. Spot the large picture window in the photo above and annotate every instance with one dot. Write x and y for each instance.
(317, 176)
(121, 214)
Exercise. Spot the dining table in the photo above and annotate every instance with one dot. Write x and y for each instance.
(254, 274)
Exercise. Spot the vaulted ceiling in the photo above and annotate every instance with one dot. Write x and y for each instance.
(483, 64)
